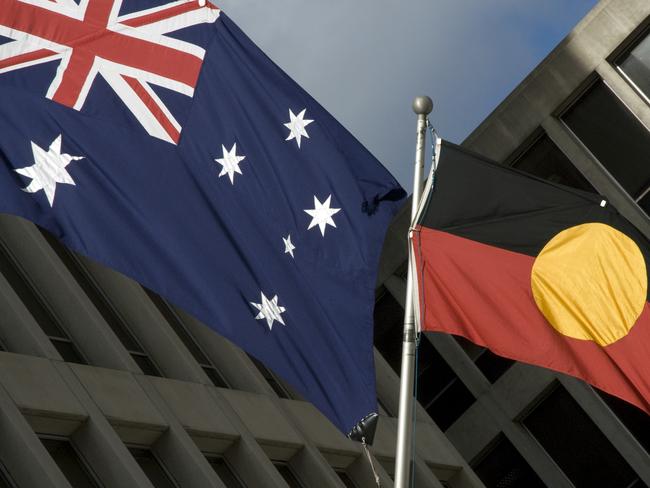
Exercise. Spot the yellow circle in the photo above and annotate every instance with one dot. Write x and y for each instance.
(590, 282)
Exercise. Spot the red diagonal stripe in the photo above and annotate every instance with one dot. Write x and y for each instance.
(25, 58)
(113, 46)
(74, 78)
(153, 107)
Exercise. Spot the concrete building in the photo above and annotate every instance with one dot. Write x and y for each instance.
(102, 383)
(580, 118)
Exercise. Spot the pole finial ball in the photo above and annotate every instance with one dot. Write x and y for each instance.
(422, 105)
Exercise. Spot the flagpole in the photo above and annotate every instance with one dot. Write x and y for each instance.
(422, 106)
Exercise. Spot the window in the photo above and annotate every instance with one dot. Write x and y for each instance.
(226, 475)
(636, 420)
(287, 474)
(38, 309)
(103, 306)
(187, 338)
(271, 379)
(439, 390)
(576, 444)
(389, 323)
(442, 394)
(345, 479)
(69, 462)
(614, 136)
(4, 478)
(491, 365)
(152, 468)
(635, 67)
(503, 467)
(545, 160)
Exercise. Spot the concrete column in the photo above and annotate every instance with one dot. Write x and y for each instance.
(596, 174)
(102, 448)
(148, 325)
(610, 425)
(74, 310)
(19, 331)
(21, 451)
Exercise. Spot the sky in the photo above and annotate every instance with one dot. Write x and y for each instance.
(365, 60)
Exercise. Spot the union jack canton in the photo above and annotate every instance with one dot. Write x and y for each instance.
(129, 50)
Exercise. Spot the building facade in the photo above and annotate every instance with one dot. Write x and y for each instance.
(580, 118)
(103, 383)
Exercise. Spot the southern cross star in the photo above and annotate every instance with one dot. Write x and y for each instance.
(288, 245)
(296, 126)
(230, 162)
(269, 310)
(321, 214)
(48, 169)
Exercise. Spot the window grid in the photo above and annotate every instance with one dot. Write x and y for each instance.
(563, 430)
(103, 306)
(38, 308)
(187, 338)
(152, 467)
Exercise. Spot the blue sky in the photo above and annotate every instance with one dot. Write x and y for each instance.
(365, 60)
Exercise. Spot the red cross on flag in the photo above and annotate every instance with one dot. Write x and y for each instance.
(130, 51)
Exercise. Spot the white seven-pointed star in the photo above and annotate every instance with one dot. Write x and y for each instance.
(230, 162)
(48, 169)
(321, 214)
(269, 310)
(288, 245)
(296, 126)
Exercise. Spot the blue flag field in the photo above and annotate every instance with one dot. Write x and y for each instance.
(157, 139)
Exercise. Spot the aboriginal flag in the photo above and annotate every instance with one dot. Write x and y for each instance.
(535, 271)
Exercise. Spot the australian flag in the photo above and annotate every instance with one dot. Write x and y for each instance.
(156, 138)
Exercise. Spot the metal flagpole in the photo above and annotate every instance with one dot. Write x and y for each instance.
(422, 106)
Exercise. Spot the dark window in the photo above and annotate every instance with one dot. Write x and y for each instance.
(491, 365)
(271, 379)
(636, 420)
(289, 477)
(102, 305)
(4, 478)
(613, 135)
(503, 467)
(635, 65)
(226, 475)
(389, 323)
(345, 479)
(442, 394)
(545, 160)
(187, 338)
(576, 444)
(38, 309)
(70, 463)
(152, 468)
(439, 390)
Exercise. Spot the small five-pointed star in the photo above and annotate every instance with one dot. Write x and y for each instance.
(48, 169)
(269, 310)
(230, 162)
(321, 214)
(296, 126)
(288, 245)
